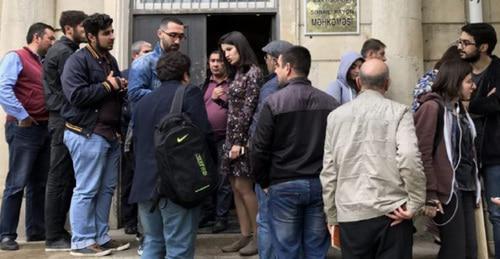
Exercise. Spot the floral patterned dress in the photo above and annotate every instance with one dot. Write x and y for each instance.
(242, 100)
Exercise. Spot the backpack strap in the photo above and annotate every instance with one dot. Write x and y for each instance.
(176, 106)
(439, 128)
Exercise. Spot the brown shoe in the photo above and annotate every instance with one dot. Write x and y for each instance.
(237, 245)
(250, 248)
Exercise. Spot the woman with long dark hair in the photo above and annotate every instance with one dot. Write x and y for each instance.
(242, 100)
(446, 140)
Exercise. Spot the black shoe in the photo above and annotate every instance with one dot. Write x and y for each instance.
(92, 250)
(35, 238)
(58, 245)
(115, 245)
(220, 225)
(130, 230)
(206, 221)
(9, 244)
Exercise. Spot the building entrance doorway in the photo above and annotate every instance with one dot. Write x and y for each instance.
(203, 32)
(258, 29)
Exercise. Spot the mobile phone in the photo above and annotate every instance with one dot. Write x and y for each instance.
(242, 150)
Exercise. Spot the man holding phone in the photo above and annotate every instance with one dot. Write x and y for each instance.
(95, 91)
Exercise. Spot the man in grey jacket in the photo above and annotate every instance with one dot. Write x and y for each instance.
(372, 178)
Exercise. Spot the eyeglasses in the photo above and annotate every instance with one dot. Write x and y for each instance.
(464, 43)
(175, 35)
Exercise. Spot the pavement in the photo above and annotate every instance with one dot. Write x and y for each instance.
(207, 247)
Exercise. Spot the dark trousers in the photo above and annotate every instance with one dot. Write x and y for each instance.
(458, 235)
(375, 238)
(219, 203)
(29, 154)
(128, 211)
(60, 182)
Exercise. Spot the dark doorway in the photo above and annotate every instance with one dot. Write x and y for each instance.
(203, 32)
(257, 28)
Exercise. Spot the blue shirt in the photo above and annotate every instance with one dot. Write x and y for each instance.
(142, 75)
(10, 67)
(270, 87)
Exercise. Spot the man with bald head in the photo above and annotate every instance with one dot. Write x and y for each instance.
(372, 178)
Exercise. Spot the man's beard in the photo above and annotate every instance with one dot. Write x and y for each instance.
(42, 52)
(473, 58)
(171, 47)
(102, 49)
(282, 82)
(78, 39)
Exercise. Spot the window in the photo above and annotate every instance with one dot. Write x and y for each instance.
(203, 5)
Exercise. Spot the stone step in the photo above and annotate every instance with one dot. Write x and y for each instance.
(207, 247)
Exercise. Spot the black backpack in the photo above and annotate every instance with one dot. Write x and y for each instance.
(187, 172)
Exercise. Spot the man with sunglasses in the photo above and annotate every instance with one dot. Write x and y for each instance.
(475, 45)
(142, 75)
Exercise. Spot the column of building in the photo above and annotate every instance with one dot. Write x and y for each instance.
(398, 23)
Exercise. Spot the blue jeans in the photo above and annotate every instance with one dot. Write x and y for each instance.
(29, 156)
(266, 250)
(169, 230)
(298, 223)
(492, 184)
(96, 163)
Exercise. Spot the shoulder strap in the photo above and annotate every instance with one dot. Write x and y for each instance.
(176, 106)
(439, 128)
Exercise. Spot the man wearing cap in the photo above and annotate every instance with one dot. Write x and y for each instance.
(273, 49)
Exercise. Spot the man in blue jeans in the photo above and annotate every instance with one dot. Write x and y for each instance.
(94, 90)
(287, 155)
(475, 45)
(273, 49)
(169, 229)
(21, 97)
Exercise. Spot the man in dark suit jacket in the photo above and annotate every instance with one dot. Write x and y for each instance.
(168, 225)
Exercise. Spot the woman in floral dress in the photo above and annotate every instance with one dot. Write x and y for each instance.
(242, 100)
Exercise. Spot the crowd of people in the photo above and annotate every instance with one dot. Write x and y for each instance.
(299, 163)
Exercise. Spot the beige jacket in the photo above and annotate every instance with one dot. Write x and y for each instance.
(371, 162)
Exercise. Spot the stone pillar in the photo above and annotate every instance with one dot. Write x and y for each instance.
(288, 21)
(87, 6)
(119, 10)
(398, 23)
(16, 18)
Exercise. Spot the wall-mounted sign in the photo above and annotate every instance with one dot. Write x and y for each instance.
(331, 17)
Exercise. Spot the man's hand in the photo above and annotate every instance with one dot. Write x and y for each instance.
(27, 122)
(113, 80)
(496, 200)
(217, 92)
(331, 229)
(123, 84)
(432, 207)
(400, 214)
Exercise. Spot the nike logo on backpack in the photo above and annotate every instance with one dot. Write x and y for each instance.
(179, 140)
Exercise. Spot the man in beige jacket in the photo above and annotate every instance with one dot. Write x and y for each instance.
(372, 178)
